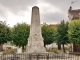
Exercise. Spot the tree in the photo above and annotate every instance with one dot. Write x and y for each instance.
(61, 34)
(4, 34)
(47, 34)
(56, 38)
(20, 34)
(74, 32)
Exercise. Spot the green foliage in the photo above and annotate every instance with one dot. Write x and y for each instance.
(61, 33)
(74, 31)
(56, 51)
(10, 51)
(20, 34)
(48, 34)
(4, 33)
(53, 50)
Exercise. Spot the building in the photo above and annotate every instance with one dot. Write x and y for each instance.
(73, 14)
(8, 45)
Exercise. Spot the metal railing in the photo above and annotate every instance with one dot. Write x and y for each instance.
(41, 56)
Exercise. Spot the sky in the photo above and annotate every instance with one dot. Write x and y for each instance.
(51, 11)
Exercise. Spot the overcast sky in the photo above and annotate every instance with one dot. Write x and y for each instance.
(51, 11)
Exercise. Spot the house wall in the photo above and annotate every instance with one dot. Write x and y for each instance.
(6, 46)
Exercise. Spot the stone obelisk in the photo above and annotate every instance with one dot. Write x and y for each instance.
(35, 40)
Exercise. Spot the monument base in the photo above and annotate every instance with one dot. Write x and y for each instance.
(36, 49)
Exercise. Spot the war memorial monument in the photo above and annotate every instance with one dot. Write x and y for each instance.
(35, 40)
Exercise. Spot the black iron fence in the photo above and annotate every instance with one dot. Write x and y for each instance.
(41, 56)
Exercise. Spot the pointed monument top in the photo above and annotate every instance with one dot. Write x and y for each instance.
(35, 7)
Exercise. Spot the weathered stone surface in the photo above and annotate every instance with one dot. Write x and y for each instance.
(35, 40)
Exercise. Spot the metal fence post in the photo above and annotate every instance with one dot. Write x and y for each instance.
(37, 56)
(29, 56)
(26, 57)
(47, 56)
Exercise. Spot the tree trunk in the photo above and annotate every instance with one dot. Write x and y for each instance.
(23, 47)
(63, 48)
(44, 45)
(1, 46)
(59, 46)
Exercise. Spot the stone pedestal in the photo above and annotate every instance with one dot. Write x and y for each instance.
(35, 40)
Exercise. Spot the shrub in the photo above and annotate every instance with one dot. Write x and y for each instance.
(53, 50)
(10, 51)
(56, 51)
